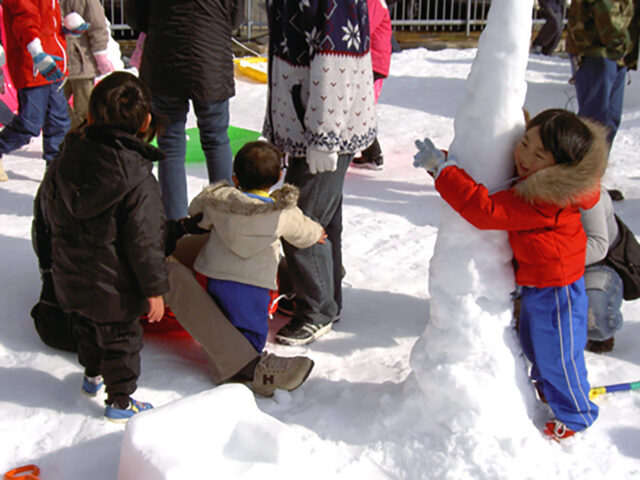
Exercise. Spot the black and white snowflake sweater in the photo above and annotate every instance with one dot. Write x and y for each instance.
(320, 76)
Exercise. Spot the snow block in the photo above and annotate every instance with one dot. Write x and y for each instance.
(219, 433)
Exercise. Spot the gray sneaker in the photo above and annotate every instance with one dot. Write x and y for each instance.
(285, 373)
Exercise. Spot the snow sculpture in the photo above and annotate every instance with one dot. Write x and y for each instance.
(468, 363)
(221, 433)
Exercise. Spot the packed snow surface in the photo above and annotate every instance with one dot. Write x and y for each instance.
(363, 412)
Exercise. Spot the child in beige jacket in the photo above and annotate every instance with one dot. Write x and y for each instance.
(241, 258)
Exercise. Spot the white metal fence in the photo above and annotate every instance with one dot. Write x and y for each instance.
(417, 15)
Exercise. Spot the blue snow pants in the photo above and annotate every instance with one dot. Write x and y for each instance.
(553, 333)
(39, 108)
(246, 307)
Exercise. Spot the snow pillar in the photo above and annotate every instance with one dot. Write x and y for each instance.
(467, 362)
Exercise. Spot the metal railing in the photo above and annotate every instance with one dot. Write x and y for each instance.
(414, 15)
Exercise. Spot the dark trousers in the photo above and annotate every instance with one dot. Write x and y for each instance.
(373, 151)
(39, 108)
(599, 86)
(111, 350)
(551, 32)
(316, 272)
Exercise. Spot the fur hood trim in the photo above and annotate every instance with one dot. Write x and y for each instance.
(224, 198)
(565, 185)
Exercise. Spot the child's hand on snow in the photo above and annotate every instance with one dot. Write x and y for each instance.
(428, 157)
(156, 308)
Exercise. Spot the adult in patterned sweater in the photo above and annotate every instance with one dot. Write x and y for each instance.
(320, 111)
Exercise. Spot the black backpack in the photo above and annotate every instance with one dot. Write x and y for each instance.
(624, 258)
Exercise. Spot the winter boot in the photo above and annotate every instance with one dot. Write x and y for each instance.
(600, 346)
(273, 372)
(115, 414)
(557, 430)
(92, 385)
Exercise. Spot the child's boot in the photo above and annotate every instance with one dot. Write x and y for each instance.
(92, 385)
(115, 412)
(557, 430)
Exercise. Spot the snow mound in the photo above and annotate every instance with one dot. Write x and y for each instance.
(221, 433)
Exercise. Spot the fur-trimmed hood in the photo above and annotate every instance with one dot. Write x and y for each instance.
(565, 185)
(224, 198)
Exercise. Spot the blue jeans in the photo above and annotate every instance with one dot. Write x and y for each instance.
(600, 91)
(213, 123)
(316, 272)
(39, 108)
(553, 334)
(604, 288)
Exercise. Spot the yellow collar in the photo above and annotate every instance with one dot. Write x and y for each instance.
(260, 193)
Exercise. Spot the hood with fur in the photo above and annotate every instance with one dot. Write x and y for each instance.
(246, 225)
(224, 198)
(563, 184)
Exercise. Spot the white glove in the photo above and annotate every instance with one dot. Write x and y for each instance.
(428, 156)
(320, 161)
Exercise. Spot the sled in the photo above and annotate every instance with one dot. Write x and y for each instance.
(237, 138)
(252, 67)
(26, 472)
(169, 325)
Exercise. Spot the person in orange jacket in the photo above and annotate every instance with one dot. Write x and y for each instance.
(560, 161)
(37, 62)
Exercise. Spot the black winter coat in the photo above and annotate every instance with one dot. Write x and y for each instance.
(100, 207)
(187, 53)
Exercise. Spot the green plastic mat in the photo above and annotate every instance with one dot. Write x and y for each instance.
(237, 137)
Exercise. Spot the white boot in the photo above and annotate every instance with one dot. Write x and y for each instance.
(3, 175)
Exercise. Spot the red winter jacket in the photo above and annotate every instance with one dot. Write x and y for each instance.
(540, 213)
(25, 20)
(380, 32)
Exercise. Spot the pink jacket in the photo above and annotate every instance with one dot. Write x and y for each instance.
(380, 32)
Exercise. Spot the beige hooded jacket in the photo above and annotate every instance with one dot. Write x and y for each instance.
(244, 245)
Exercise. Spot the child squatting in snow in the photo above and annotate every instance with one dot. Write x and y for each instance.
(560, 160)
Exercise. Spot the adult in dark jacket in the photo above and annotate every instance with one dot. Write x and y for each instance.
(187, 56)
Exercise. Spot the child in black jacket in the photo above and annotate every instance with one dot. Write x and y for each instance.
(101, 207)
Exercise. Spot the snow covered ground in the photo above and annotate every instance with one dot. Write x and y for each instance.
(360, 413)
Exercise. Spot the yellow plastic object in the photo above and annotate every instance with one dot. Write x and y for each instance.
(252, 67)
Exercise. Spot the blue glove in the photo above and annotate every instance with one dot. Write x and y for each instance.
(78, 31)
(74, 25)
(46, 65)
(43, 62)
(428, 157)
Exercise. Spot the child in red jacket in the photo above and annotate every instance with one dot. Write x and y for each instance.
(560, 160)
(37, 63)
